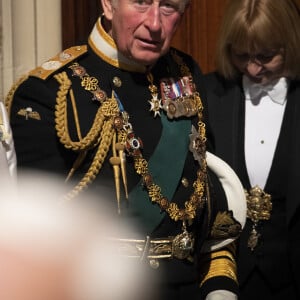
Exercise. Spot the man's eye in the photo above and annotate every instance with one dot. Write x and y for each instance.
(141, 2)
(166, 7)
(170, 7)
(141, 5)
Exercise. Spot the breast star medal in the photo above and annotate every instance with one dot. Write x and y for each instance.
(155, 103)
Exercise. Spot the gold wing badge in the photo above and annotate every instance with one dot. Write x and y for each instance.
(29, 113)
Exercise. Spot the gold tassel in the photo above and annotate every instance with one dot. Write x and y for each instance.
(115, 162)
(120, 148)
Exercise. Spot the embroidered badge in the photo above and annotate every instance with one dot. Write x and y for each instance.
(28, 113)
(65, 56)
(225, 226)
(51, 65)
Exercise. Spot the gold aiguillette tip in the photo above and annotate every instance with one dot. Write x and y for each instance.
(120, 148)
(115, 162)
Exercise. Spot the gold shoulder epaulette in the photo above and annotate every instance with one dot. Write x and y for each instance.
(57, 62)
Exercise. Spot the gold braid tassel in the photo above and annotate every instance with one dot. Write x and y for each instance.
(101, 132)
(92, 137)
(103, 148)
(219, 263)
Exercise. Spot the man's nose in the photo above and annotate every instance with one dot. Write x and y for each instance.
(153, 18)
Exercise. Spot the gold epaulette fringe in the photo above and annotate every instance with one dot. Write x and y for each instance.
(219, 263)
(46, 69)
(57, 62)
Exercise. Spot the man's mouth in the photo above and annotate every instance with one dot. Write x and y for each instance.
(150, 42)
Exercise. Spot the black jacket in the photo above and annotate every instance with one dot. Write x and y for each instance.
(38, 146)
(277, 255)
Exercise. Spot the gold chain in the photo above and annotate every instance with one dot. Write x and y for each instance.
(102, 132)
(154, 191)
(197, 199)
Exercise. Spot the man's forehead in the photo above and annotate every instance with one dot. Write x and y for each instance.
(178, 2)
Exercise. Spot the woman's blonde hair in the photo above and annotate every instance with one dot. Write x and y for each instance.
(256, 25)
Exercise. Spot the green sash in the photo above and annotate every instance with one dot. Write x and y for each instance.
(165, 165)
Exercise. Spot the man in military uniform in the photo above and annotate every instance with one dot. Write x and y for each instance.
(123, 116)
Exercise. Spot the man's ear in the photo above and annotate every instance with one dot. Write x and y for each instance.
(107, 8)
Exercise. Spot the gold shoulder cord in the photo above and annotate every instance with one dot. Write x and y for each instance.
(103, 130)
(43, 73)
(100, 133)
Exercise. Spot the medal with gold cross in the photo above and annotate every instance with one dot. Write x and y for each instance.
(155, 103)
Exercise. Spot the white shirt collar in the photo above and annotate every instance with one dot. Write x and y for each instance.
(276, 90)
(105, 47)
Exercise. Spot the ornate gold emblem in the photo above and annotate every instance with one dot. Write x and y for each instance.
(183, 245)
(89, 83)
(259, 207)
(225, 226)
(155, 102)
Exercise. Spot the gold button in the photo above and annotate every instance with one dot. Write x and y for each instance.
(185, 182)
(117, 81)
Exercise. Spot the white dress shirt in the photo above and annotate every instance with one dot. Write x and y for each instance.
(265, 107)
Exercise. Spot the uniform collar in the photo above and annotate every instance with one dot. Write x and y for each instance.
(104, 46)
(277, 90)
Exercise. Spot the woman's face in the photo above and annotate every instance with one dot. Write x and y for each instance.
(261, 67)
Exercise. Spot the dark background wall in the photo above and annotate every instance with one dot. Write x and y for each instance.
(196, 36)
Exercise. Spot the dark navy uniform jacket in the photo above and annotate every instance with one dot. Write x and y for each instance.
(32, 112)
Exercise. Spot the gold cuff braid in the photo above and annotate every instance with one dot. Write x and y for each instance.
(219, 263)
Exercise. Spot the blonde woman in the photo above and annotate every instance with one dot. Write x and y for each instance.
(254, 110)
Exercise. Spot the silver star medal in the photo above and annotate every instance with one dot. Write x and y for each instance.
(155, 105)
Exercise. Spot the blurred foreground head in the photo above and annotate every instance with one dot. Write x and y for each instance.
(60, 252)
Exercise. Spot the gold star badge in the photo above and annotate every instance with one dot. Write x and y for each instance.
(155, 105)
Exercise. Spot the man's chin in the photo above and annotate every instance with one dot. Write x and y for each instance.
(147, 58)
